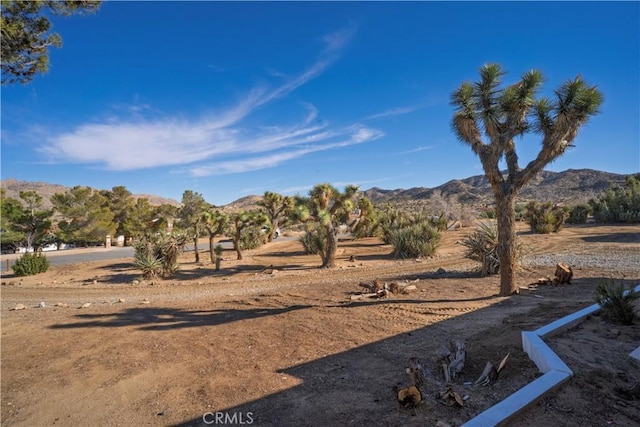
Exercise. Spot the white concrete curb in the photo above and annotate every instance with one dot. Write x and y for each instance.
(555, 371)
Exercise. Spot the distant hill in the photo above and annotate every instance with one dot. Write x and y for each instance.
(46, 190)
(570, 186)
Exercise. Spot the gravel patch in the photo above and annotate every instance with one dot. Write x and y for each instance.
(613, 260)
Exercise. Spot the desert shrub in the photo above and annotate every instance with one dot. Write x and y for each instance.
(313, 240)
(520, 212)
(30, 264)
(157, 255)
(414, 241)
(616, 302)
(482, 246)
(578, 214)
(392, 218)
(619, 204)
(149, 263)
(252, 237)
(545, 218)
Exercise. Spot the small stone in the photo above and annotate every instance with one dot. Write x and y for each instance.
(441, 271)
(42, 304)
(122, 300)
(95, 282)
(61, 304)
(20, 307)
(86, 305)
(146, 301)
(136, 282)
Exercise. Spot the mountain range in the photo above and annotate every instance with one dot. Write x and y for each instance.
(570, 186)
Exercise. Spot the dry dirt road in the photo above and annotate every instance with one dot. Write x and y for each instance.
(272, 340)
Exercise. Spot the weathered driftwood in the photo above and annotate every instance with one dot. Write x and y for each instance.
(564, 274)
(491, 373)
(377, 289)
(416, 372)
(452, 359)
(409, 397)
(449, 397)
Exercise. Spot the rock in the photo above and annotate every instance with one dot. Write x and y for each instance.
(95, 282)
(86, 305)
(41, 305)
(20, 307)
(122, 300)
(136, 282)
(146, 301)
(441, 271)
(61, 304)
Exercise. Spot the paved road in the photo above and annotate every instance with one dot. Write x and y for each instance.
(72, 256)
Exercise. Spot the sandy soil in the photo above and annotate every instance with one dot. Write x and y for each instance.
(272, 340)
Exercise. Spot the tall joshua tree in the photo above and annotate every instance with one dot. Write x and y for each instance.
(326, 206)
(489, 119)
(277, 208)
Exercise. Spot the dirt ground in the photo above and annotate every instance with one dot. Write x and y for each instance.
(272, 340)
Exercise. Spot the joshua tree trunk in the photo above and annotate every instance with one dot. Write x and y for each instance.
(212, 254)
(507, 247)
(236, 246)
(329, 259)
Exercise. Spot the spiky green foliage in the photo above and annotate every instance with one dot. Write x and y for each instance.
(619, 204)
(246, 230)
(545, 218)
(326, 207)
(368, 223)
(482, 246)
(30, 264)
(617, 302)
(491, 118)
(417, 240)
(278, 208)
(579, 213)
(149, 263)
(314, 240)
(157, 255)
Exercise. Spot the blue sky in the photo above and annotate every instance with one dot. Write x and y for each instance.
(233, 98)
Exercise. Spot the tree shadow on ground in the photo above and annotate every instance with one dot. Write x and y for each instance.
(356, 386)
(159, 319)
(614, 238)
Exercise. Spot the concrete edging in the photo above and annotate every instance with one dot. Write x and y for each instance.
(555, 371)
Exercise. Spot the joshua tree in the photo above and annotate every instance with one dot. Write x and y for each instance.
(242, 221)
(216, 223)
(502, 115)
(278, 208)
(326, 206)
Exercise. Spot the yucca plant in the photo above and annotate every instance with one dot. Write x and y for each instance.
(617, 302)
(150, 264)
(482, 246)
(545, 218)
(159, 249)
(414, 241)
(579, 213)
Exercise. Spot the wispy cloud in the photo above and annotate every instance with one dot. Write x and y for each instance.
(393, 112)
(213, 144)
(418, 149)
(355, 135)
